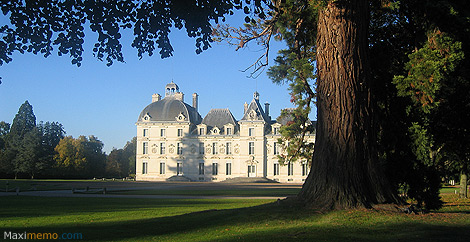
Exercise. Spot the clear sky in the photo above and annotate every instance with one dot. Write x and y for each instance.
(106, 101)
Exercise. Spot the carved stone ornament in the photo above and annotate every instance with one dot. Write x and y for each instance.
(252, 114)
(171, 150)
(236, 150)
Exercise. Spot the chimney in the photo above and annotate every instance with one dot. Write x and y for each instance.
(179, 96)
(195, 101)
(245, 107)
(156, 97)
(266, 109)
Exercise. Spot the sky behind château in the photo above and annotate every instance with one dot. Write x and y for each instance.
(106, 101)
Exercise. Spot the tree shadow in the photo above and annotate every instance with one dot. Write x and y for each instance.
(270, 222)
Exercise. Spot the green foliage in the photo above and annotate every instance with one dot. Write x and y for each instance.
(296, 26)
(121, 162)
(421, 143)
(28, 159)
(427, 69)
(81, 157)
(44, 27)
(130, 151)
(27, 148)
(4, 131)
(24, 121)
(16, 154)
(418, 62)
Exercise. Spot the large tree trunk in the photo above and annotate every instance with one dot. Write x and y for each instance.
(463, 185)
(345, 172)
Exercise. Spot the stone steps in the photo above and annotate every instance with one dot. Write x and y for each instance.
(249, 180)
(178, 179)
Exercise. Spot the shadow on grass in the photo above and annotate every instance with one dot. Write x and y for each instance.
(19, 206)
(269, 222)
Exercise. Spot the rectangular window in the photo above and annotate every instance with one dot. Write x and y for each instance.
(251, 171)
(276, 131)
(228, 169)
(229, 131)
(251, 148)
(276, 148)
(145, 132)
(228, 151)
(179, 148)
(162, 132)
(201, 131)
(144, 167)
(162, 148)
(290, 169)
(201, 148)
(276, 169)
(162, 168)
(145, 146)
(179, 168)
(180, 132)
(251, 132)
(304, 169)
(214, 148)
(201, 168)
(214, 169)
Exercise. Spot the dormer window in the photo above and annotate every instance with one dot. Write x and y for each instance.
(275, 131)
(180, 117)
(229, 129)
(146, 118)
(201, 129)
(215, 131)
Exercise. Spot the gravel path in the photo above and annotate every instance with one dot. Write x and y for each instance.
(64, 189)
(68, 193)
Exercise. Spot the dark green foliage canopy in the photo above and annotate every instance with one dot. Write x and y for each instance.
(42, 27)
(24, 121)
(418, 57)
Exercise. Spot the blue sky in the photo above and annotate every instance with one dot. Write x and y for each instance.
(105, 101)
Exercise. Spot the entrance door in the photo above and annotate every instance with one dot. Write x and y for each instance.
(251, 171)
(179, 169)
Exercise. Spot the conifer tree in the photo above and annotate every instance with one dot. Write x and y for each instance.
(23, 123)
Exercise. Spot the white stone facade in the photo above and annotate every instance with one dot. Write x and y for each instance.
(174, 141)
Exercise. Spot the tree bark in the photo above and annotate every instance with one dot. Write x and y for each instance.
(345, 172)
(463, 185)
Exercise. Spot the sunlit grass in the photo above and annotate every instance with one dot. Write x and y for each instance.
(215, 192)
(112, 219)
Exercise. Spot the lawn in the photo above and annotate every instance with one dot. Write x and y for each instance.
(112, 219)
(281, 192)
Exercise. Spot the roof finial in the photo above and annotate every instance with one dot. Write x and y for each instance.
(256, 96)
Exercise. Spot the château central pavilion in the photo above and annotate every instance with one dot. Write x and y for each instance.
(175, 143)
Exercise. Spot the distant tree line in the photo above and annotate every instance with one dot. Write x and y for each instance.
(30, 150)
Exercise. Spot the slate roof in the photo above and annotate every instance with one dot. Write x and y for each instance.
(168, 109)
(218, 118)
(255, 107)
